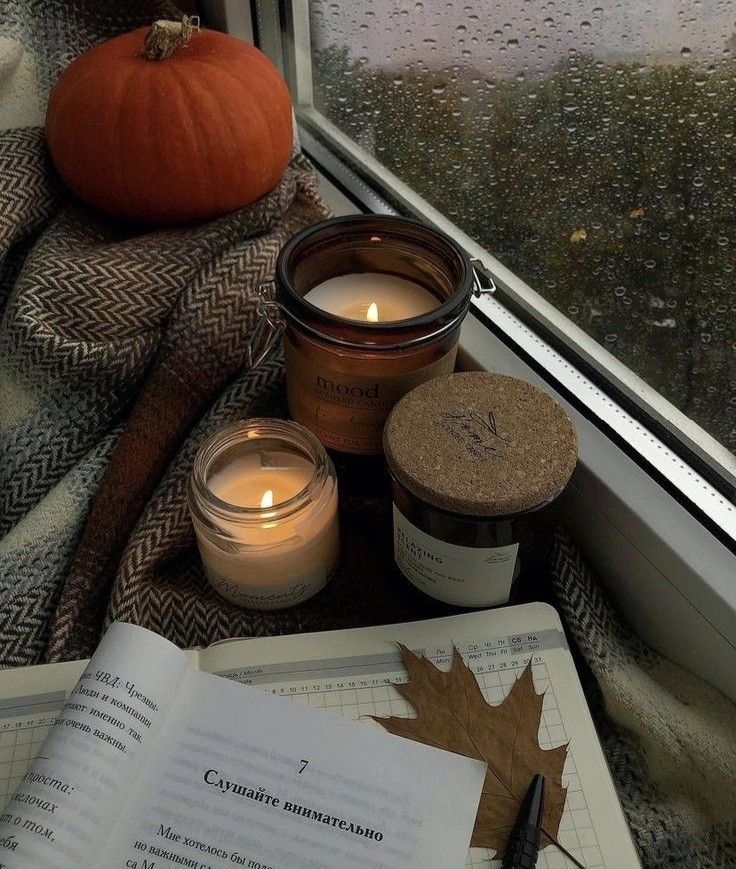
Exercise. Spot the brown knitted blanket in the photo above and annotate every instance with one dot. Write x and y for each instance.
(120, 348)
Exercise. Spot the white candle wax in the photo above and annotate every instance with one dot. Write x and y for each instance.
(372, 297)
(271, 560)
(247, 480)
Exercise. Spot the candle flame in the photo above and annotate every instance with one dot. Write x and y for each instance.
(267, 499)
(372, 315)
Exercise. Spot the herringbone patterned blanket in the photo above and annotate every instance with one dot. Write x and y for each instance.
(669, 738)
(120, 348)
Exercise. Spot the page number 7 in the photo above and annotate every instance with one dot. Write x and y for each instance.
(303, 764)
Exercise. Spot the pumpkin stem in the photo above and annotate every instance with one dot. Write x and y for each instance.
(165, 38)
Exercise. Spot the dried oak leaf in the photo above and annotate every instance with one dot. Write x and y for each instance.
(453, 714)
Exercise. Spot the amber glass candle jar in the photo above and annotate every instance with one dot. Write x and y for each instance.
(474, 459)
(349, 360)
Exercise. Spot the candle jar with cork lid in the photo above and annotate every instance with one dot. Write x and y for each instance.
(372, 307)
(475, 458)
(263, 500)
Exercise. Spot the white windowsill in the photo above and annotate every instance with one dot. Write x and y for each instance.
(666, 572)
(672, 579)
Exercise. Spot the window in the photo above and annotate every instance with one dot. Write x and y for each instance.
(590, 149)
(417, 126)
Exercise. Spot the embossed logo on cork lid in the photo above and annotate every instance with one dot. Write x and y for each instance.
(481, 444)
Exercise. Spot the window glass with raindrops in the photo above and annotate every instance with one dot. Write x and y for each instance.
(590, 147)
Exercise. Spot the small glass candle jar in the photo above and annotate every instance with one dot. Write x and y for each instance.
(263, 499)
(373, 306)
(472, 457)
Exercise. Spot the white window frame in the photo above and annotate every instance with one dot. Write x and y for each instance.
(318, 130)
(661, 535)
(705, 496)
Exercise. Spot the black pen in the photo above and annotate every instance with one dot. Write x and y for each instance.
(523, 845)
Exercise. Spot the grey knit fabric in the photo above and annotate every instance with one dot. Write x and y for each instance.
(54, 32)
(104, 327)
(669, 738)
(92, 312)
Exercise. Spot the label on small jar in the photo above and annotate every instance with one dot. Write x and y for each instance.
(347, 411)
(460, 575)
(265, 597)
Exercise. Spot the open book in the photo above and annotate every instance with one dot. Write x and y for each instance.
(176, 768)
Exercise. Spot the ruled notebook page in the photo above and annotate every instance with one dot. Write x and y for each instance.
(349, 673)
(152, 762)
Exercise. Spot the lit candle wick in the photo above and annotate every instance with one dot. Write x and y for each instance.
(372, 315)
(267, 499)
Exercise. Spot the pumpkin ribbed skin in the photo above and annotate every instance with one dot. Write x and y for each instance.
(196, 135)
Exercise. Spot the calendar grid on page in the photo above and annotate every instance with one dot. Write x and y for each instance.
(355, 693)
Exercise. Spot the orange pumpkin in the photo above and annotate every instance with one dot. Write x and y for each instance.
(170, 125)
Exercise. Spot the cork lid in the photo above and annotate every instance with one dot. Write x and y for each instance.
(481, 444)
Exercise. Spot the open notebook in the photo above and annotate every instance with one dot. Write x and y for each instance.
(348, 673)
